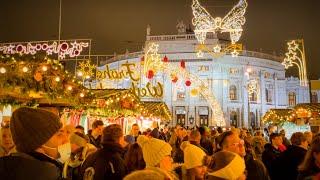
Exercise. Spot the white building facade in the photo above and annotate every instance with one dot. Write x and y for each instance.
(227, 80)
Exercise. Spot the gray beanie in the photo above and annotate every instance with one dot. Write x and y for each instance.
(31, 128)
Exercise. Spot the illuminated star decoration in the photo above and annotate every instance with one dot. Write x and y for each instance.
(287, 62)
(232, 23)
(86, 68)
(200, 54)
(292, 45)
(217, 48)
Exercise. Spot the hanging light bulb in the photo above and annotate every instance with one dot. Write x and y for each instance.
(69, 88)
(57, 78)
(3, 70)
(81, 95)
(44, 68)
(80, 73)
(25, 69)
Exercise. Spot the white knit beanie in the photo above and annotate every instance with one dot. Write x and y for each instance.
(193, 155)
(153, 150)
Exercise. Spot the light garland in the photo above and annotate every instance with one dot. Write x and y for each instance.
(231, 23)
(64, 49)
(86, 69)
(153, 62)
(218, 51)
(296, 56)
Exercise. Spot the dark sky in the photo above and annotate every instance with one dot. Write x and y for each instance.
(117, 25)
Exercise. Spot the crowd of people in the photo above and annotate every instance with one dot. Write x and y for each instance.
(35, 145)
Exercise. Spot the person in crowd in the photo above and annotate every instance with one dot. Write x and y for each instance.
(135, 131)
(80, 150)
(258, 143)
(79, 129)
(254, 166)
(5, 121)
(148, 174)
(309, 137)
(6, 143)
(134, 158)
(230, 141)
(310, 167)
(174, 136)
(68, 130)
(220, 130)
(37, 135)
(193, 162)
(162, 135)
(271, 154)
(156, 154)
(177, 153)
(226, 165)
(107, 162)
(194, 138)
(205, 140)
(155, 130)
(95, 136)
(289, 160)
(285, 140)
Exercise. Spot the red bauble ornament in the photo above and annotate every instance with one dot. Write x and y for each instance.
(64, 46)
(150, 74)
(188, 83)
(175, 79)
(183, 64)
(142, 58)
(165, 59)
(19, 48)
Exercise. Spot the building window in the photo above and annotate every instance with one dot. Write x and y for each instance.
(234, 119)
(253, 97)
(233, 92)
(203, 68)
(269, 96)
(233, 71)
(292, 98)
(314, 97)
(181, 96)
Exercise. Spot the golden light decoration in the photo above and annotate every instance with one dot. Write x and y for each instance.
(194, 92)
(252, 86)
(87, 69)
(25, 69)
(154, 62)
(44, 68)
(296, 56)
(57, 79)
(217, 51)
(3, 70)
(232, 23)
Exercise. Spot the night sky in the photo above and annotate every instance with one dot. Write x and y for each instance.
(117, 25)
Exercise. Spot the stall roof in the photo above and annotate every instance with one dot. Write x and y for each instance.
(158, 109)
(277, 116)
(313, 107)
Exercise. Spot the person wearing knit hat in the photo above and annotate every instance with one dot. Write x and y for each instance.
(156, 153)
(226, 165)
(36, 134)
(193, 161)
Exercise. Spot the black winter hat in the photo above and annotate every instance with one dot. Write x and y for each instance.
(31, 128)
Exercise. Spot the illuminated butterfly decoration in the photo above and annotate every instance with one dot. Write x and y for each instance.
(231, 23)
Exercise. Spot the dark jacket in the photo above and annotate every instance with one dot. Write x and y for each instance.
(255, 169)
(270, 156)
(107, 163)
(309, 174)
(155, 133)
(207, 145)
(24, 166)
(95, 142)
(177, 154)
(289, 161)
(198, 145)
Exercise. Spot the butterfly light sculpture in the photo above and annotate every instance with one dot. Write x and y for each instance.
(231, 23)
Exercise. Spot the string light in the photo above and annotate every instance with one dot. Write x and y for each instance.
(217, 48)
(234, 53)
(3, 70)
(231, 23)
(57, 79)
(25, 69)
(69, 88)
(81, 95)
(296, 56)
(44, 68)
(200, 54)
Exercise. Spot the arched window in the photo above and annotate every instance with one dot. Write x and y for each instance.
(314, 97)
(268, 96)
(253, 97)
(292, 98)
(233, 92)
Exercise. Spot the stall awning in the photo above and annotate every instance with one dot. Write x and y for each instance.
(278, 116)
(311, 107)
(158, 109)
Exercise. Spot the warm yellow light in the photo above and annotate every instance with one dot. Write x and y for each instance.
(80, 73)
(25, 69)
(44, 68)
(57, 79)
(81, 95)
(3, 70)
(69, 88)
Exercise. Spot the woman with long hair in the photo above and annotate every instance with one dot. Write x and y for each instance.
(310, 166)
(134, 158)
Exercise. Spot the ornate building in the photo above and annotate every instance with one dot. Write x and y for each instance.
(227, 77)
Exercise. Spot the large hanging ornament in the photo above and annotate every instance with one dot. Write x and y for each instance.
(188, 83)
(165, 59)
(183, 64)
(150, 74)
(194, 92)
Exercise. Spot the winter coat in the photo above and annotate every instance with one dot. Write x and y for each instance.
(177, 154)
(207, 145)
(309, 174)
(289, 161)
(255, 169)
(105, 163)
(155, 133)
(269, 158)
(95, 142)
(24, 166)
